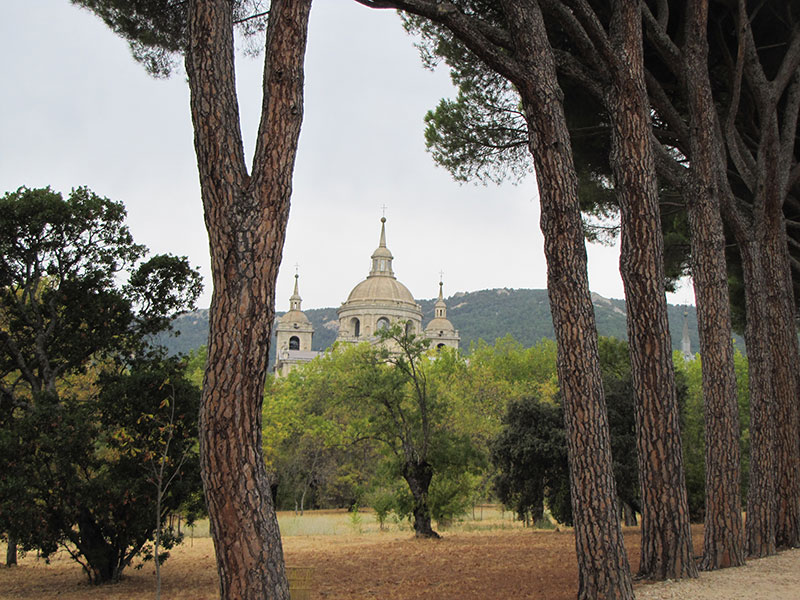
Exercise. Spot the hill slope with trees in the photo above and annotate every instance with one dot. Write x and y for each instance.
(486, 314)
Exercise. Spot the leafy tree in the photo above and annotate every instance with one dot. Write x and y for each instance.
(309, 447)
(530, 450)
(65, 320)
(159, 437)
(531, 457)
(409, 416)
(246, 212)
(394, 403)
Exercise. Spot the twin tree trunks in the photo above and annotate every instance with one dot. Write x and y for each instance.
(246, 216)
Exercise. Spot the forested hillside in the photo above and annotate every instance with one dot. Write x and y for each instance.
(487, 315)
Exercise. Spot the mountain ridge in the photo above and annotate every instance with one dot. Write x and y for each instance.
(484, 314)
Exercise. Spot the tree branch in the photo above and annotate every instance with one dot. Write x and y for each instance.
(657, 32)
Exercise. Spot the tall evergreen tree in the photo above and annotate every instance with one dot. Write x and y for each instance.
(246, 212)
(752, 63)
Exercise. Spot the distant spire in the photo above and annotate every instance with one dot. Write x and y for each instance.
(440, 308)
(382, 257)
(382, 243)
(295, 299)
(686, 343)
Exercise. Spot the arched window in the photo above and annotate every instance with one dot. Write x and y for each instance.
(409, 327)
(294, 343)
(383, 323)
(356, 327)
(439, 347)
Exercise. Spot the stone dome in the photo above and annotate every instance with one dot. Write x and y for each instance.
(439, 325)
(380, 289)
(294, 316)
(378, 301)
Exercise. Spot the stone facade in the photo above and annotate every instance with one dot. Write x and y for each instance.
(440, 330)
(293, 336)
(381, 301)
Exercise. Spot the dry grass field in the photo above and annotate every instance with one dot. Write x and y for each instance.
(492, 558)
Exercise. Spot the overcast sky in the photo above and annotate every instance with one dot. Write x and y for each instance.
(76, 110)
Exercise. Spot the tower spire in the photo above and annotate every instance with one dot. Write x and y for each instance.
(440, 308)
(382, 258)
(382, 243)
(686, 343)
(295, 299)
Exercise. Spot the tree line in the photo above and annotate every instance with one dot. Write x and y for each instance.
(339, 430)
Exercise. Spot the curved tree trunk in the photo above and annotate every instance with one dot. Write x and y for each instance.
(246, 219)
(666, 551)
(603, 569)
(723, 544)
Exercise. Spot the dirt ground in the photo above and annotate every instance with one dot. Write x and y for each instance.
(503, 564)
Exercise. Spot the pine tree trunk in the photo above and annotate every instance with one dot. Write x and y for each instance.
(246, 219)
(666, 551)
(760, 523)
(603, 569)
(723, 544)
(782, 332)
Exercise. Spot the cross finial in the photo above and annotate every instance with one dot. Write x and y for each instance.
(296, 268)
(441, 275)
(383, 208)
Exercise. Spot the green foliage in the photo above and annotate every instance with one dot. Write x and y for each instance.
(693, 428)
(530, 451)
(345, 428)
(313, 453)
(530, 454)
(73, 339)
(157, 30)
(84, 466)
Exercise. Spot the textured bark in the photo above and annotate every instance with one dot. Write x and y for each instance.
(760, 523)
(602, 563)
(666, 551)
(246, 217)
(782, 333)
(723, 543)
